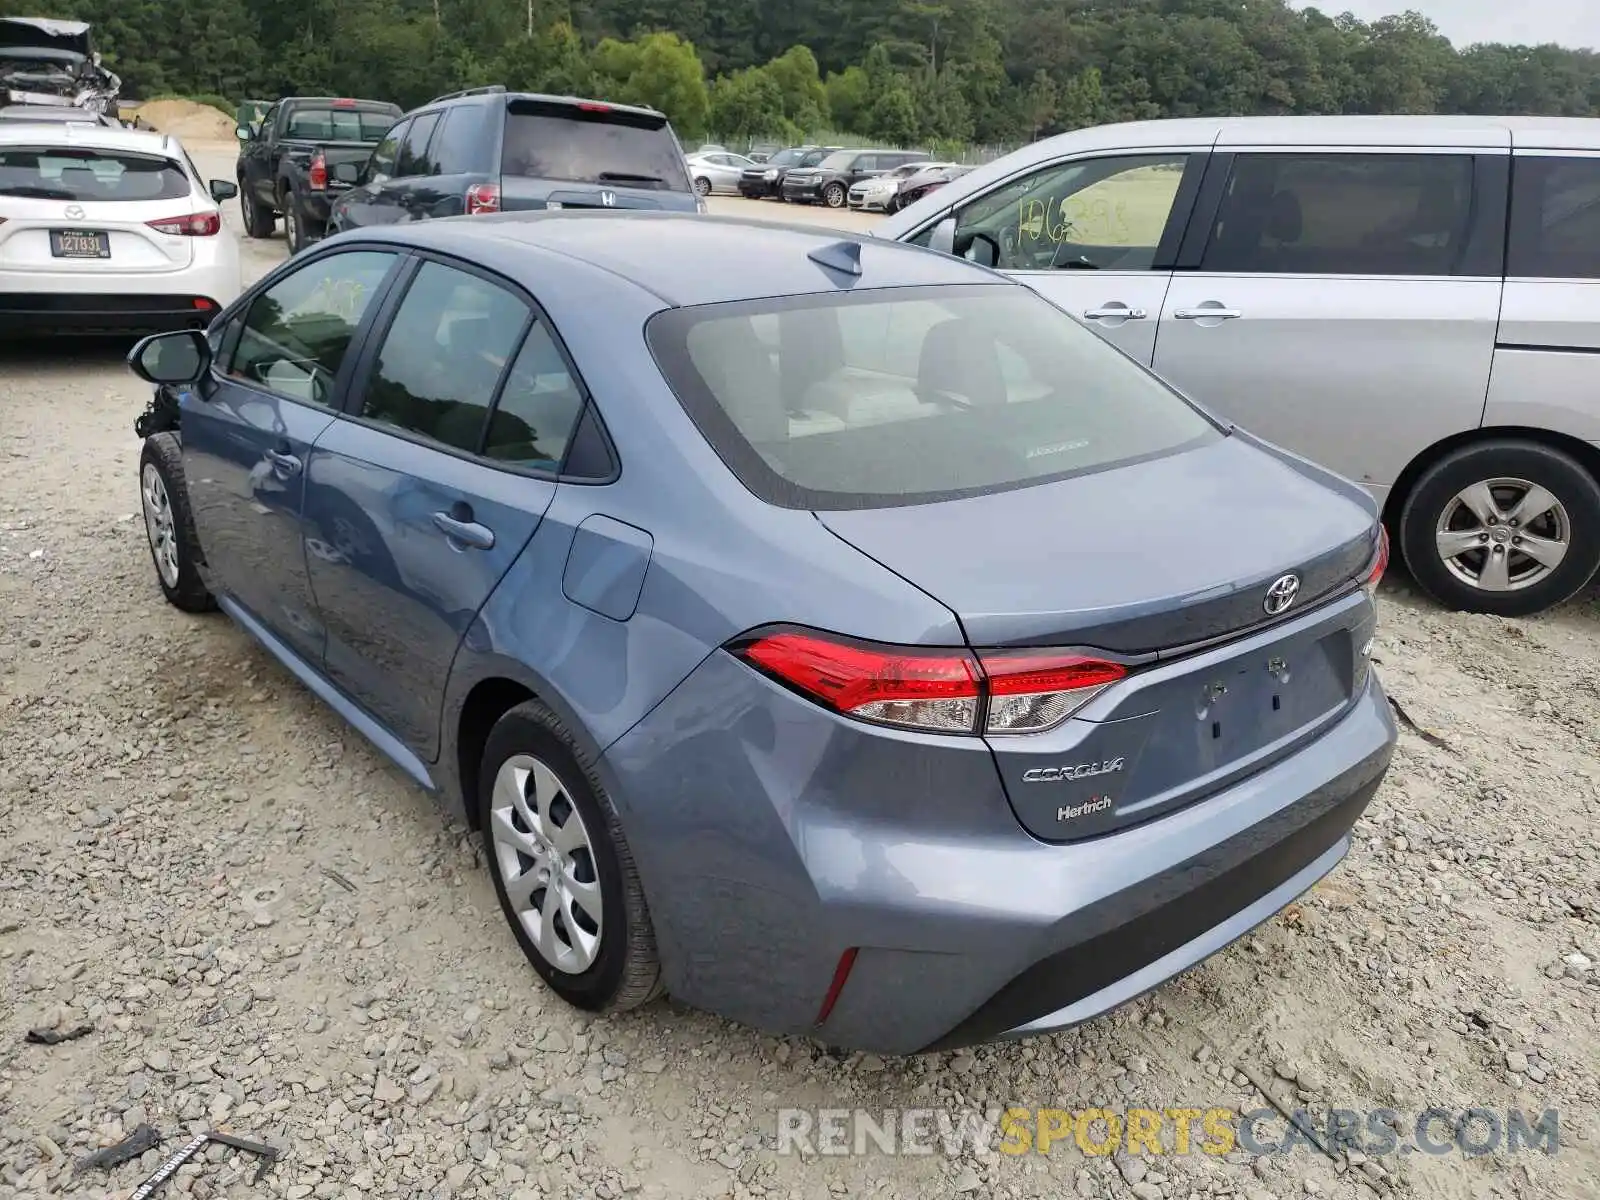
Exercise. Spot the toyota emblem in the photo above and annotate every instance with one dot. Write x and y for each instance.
(1281, 595)
(74, 212)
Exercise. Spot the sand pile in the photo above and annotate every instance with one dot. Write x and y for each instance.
(185, 119)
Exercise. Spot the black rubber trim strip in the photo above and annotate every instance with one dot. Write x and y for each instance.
(1548, 349)
(1064, 978)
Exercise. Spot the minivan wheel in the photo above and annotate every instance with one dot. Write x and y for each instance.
(562, 867)
(169, 524)
(833, 195)
(1504, 527)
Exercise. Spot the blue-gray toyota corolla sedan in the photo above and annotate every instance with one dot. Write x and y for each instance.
(831, 633)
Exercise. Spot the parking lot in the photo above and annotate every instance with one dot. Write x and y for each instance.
(267, 926)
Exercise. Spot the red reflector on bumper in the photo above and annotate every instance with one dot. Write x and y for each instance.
(847, 960)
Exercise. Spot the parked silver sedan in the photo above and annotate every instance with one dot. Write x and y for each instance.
(717, 171)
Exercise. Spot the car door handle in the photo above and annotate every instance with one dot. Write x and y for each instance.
(1115, 311)
(1205, 313)
(466, 533)
(283, 465)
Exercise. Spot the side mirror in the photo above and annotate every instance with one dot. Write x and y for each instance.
(222, 190)
(242, 133)
(180, 357)
(347, 172)
(944, 236)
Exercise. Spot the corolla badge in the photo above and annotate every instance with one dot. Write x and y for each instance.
(1281, 595)
(1080, 771)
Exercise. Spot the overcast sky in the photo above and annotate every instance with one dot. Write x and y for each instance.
(1569, 22)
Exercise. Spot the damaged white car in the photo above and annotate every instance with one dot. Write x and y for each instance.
(43, 61)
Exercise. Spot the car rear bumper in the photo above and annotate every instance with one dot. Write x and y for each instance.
(773, 837)
(48, 314)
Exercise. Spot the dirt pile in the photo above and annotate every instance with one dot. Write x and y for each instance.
(185, 119)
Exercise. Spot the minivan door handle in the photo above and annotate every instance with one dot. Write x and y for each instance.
(462, 530)
(1115, 310)
(1211, 310)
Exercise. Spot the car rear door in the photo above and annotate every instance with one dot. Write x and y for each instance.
(412, 184)
(1342, 302)
(1094, 234)
(420, 501)
(282, 366)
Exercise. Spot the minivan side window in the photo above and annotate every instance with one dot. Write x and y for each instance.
(1555, 218)
(414, 150)
(1343, 214)
(443, 356)
(1095, 213)
(295, 336)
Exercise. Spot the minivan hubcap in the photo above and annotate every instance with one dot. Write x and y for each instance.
(159, 525)
(546, 861)
(1503, 535)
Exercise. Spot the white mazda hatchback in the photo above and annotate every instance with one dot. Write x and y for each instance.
(108, 231)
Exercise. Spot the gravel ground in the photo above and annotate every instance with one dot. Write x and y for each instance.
(268, 928)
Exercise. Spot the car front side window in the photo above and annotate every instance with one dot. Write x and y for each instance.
(387, 153)
(296, 334)
(1096, 213)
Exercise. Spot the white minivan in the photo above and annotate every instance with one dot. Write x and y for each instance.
(1411, 301)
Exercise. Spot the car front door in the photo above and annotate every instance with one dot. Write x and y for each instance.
(1095, 236)
(1342, 304)
(249, 425)
(420, 502)
(369, 202)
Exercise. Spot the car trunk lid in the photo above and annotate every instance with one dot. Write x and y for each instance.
(1165, 567)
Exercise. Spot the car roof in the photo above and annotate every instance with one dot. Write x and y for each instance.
(49, 25)
(673, 256)
(89, 136)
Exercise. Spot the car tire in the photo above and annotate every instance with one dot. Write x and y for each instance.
(833, 195)
(535, 784)
(169, 524)
(1475, 500)
(259, 221)
(294, 226)
(702, 186)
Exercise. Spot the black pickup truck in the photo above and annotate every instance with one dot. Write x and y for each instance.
(287, 158)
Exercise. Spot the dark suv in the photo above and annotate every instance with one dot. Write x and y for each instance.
(765, 180)
(831, 179)
(486, 150)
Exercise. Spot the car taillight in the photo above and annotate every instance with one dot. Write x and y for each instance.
(201, 224)
(933, 690)
(317, 176)
(483, 198)
(1379, 565)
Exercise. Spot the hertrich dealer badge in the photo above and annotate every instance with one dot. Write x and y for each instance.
(1065, 774)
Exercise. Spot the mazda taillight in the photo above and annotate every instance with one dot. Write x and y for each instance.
(933, 690)
(483, 198)
(201, 224)
(317, 176)
(1379, 565)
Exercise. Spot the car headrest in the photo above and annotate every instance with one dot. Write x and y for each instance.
(1285, 219)
(960, 359)
(738, 369)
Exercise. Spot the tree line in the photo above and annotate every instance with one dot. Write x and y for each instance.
(901, 71)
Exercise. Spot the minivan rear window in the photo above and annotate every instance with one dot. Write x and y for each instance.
(592, 145)
(81, 175)
(908, 395)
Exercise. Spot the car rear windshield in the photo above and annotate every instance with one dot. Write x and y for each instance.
(908, 395)
(338, 125)
(592, 145)
(83, 175)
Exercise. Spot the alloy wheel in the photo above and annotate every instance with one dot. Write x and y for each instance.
(1503, 534)
(159, 525)
(546, 861)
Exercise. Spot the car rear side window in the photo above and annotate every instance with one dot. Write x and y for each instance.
(414, 160)
(1555, 218)
(908, 395)
(458, 147)
(591, 144)
(84, 176)
(538, 407)
(1343, 214)
(295, 336)
(443, 356)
